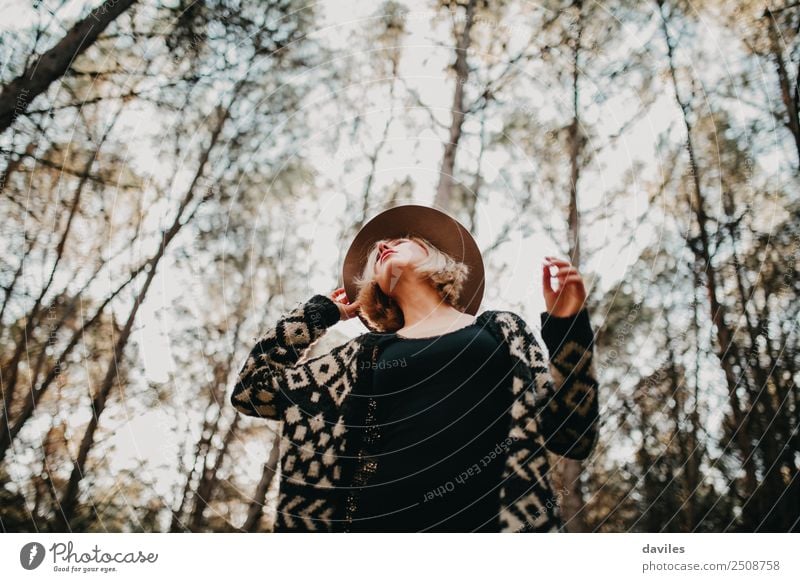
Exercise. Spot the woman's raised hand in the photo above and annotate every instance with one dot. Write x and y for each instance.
(571, 294)
(347, 310)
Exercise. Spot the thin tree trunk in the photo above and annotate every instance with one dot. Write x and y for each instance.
(209, 480)
(790, 96)
(575, 144)
(477, 182)
(256, 507)
(693, 460)
(570, 470)
(206, 434)
(366, 194)
(443, 200)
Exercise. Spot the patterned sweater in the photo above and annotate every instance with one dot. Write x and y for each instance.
(328, 415)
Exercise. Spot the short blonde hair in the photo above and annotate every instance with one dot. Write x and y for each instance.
(446, 274)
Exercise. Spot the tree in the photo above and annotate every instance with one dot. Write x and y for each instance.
(16, 96)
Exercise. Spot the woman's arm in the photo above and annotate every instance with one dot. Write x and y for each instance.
(569, 411)
(260, 386)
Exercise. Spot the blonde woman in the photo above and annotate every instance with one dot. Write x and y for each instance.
(437, 419)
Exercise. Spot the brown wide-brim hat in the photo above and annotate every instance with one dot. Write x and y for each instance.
(441, 229)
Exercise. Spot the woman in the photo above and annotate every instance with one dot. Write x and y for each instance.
(437, 419)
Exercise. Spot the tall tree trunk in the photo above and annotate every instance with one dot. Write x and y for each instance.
(569, 470)
(692, 479)
(474, 195)
(17, 95)
(575, 143)
(790, 95)
(444, 190)
(366, 194)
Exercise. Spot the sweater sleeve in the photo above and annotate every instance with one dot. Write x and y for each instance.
(568, 415)
(260, 386)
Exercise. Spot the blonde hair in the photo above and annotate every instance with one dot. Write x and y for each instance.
(446, 274)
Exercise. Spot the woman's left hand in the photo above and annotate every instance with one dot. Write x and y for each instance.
(571, 294)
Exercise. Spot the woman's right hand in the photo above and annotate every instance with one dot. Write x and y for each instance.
(347, 310)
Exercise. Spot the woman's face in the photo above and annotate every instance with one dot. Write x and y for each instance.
(395, 256)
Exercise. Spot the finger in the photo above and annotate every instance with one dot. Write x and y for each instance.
(546, 282)
(564, 271)
(557, 261)
(562, 276)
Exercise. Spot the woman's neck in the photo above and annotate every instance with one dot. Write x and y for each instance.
(422, 306)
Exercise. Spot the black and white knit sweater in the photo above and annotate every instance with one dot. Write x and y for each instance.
(327, 414)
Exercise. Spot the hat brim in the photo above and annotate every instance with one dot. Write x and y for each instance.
(441, 229)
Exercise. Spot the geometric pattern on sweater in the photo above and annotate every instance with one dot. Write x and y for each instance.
(329, 425)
